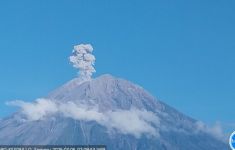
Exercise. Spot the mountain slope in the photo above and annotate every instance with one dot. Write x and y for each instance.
(111, 97)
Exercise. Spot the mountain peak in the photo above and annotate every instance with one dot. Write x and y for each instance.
(106, 91)
(75, 82)
(106, 76)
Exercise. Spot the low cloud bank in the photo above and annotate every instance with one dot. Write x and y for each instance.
(35, 111)
(215, 130)
(135, 122)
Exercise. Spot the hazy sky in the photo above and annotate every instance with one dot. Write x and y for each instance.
(183, 52)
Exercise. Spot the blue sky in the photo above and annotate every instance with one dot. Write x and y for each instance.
(183, 52)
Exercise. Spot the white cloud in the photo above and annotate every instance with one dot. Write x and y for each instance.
(135, 122)
(35, 111)
(80, 112)
(215, 130)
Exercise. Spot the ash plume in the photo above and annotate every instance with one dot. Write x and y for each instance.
(83, 60)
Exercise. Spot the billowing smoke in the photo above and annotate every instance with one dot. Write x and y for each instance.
(83, 60)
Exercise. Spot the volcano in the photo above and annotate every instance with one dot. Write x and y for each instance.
(108, 111)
